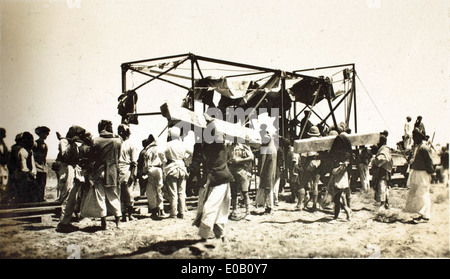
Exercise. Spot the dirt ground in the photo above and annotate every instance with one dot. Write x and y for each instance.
(284, 234)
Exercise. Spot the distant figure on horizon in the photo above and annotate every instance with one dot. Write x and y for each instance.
(407, 133)
(419, 125)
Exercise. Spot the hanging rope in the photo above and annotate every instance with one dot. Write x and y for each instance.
(373, 103)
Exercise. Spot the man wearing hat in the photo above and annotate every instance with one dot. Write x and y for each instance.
(127, 171)
(310, 175)
(68, 158)
(104, 177)
(69, 175)
(152, 168)
(419, 125)
(305, 124)
(40, 151)
(382, 165)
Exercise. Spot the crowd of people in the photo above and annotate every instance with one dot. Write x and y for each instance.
(95, 176)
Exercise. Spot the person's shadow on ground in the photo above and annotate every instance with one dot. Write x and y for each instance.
(163, 247)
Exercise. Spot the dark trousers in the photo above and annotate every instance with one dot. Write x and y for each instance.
(338, 194)
(41, 181)
(142, 185)
(26, 190)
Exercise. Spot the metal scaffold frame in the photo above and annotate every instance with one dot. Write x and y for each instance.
(196, 72)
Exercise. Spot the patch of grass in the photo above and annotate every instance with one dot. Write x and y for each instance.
(441, 198)
(367, 196)
(387, 216)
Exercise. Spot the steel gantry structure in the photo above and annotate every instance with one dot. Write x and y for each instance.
(281, 88)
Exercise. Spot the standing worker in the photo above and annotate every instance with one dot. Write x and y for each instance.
(71, 203)
(40, 151)
(25, 172)
(419, 180)
(267, 168)
(240, 165)
(153, 163)
(214, 196)
(383, 164)
(4, 173)
(127, 172)
(176, 173)
(310, 175)
(104, 177)
(341, 156)
(142, 178)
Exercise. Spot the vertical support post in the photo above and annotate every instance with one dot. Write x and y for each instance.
(124, 77)
(283, 113)
(192, 80)
(295, 118)
(349, 106)
(354, 96)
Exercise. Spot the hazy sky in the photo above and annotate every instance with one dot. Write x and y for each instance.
(60, 60)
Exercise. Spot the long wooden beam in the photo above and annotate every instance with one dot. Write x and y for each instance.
(29, 211)
(325, 143)
(245, 134)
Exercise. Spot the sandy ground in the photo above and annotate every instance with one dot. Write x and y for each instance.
(284, 234)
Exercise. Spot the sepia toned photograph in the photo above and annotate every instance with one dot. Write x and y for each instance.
(238, 130)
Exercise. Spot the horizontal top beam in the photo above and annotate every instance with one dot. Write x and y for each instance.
(156, 59)
(218, 61)
(258, 68)
(326, 67)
